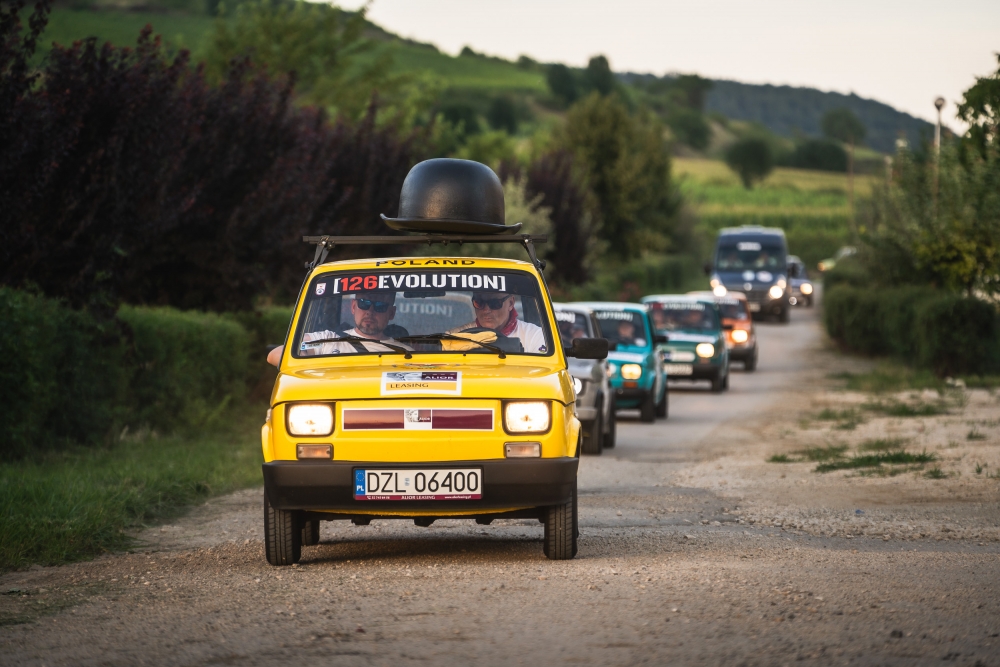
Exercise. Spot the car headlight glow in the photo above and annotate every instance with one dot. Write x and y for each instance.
(631, 371)
(310, 419)
(775, 292)
(781, 282)
(806, 288)
(705, 350)
(578, 386)
(719, 290)
(740, 336)
(526, 417)
(715, 282)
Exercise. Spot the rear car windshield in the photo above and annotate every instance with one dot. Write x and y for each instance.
(572, 325)
(623, 327)
(420, 311)
(683, 316)
(737, 255)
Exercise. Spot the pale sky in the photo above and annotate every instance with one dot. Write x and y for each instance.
(902, 53)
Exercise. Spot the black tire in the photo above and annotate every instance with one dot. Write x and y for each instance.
(725, 382)
(310, 533)
(609, 437)
(663, 406)
(561, 530)
(750, 363)
(592, 440)
(647, 409)
(785, 315)
(282, 535)
(717, 383)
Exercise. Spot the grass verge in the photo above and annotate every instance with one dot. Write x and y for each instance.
(73, 505)
(876, 460)
(892, 376)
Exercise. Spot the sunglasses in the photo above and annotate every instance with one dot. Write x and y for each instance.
(380, 306)
(494, 304)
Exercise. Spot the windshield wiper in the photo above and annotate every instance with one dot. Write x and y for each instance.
(359, 339)
(447, 336)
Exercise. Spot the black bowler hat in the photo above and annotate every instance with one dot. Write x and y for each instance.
(451, 196)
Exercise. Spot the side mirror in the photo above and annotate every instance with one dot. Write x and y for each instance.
(727, 327)
(708, 268)
(793, 270)
(661, 338)
(588, 348)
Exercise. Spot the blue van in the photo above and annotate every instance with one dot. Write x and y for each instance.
(752, 260)
(635, 367)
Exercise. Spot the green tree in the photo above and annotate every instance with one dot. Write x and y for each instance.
(751, 159)
(841, 124)
(562, 83)
(599, 76)
(320, 44)
(690, 128)
(980, 109)
(627, 169)
(502, 114)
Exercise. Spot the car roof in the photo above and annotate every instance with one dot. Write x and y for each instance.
(684, 298)
(739, 296)
(573, 307)
(411, 262)
(611, 305)
(752, 229)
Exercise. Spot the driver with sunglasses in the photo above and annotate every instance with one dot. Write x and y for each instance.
(495, 310)
(372, 312)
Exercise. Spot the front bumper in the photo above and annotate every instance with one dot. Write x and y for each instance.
(630, 397)
(507, 483)
(704, 371)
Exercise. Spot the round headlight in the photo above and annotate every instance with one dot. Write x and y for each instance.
(775, 292)
(527, 417)
(306, 419)
(719, 290)
(715, 282)
(806, 288)
(705, 350)
(578, 386)
(740, 336)
(631, 371)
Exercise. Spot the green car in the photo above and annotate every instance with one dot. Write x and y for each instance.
(635, 366)
(696, 342)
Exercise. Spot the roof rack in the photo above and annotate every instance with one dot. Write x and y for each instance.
(325, 243)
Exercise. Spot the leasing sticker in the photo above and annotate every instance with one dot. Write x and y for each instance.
(422, 382)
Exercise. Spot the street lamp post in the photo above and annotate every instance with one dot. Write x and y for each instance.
(938, 104)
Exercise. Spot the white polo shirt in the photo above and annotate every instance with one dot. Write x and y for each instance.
(307, 349)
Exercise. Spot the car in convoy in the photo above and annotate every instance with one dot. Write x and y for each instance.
(741, 335)
(799, 284)
(594, 400)
(752, 260)
(423, 388)
(634, 365)
(695, 347)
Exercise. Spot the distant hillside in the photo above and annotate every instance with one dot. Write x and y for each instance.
(786, 110)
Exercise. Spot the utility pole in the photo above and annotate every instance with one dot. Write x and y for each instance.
(938, 104)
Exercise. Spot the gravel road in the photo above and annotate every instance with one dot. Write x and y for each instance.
(675, 565)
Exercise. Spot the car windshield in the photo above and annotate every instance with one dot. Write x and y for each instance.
(733, 309)
(749, 256)
(683, 316)
(571, 325)
(624, 328)
(415, 311)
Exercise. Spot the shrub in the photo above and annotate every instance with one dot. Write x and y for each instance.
(752, 159)
(821, 154)
(945, 332)
(188, 366)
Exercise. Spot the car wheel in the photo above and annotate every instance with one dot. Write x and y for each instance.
(725, 382)
(282, 535)
(717, 383)
(609, 437)
(310, 533)
(561, 530)
(647, 409)
(592, 437)
(750, 363)
(785, 315)
(663, 406)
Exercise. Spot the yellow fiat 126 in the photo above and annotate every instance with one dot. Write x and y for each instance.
(424, 388)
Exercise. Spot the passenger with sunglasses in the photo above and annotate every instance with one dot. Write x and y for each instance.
(372, 313)
(495, 310)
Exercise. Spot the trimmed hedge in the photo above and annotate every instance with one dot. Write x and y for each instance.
(67, 378)
(947, 333)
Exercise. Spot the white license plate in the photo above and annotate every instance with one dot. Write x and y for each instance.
(680, 369)
(754, 307)
(419, 484)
